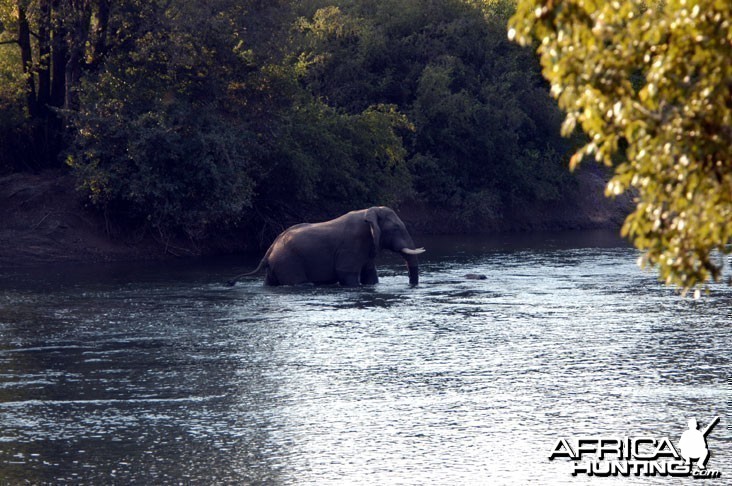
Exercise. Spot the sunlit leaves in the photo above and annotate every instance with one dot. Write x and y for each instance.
(189, 125)
(486, 133)
(159, 139)
(650, 81)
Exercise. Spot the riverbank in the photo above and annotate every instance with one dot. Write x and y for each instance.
(43, 219)
(585, 208)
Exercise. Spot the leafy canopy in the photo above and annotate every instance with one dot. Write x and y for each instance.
(486, 133)
(191, 125)
(651, 85)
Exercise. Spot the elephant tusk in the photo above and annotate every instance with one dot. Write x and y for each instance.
(408, 251)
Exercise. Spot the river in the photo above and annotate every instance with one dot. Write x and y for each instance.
(158, 373)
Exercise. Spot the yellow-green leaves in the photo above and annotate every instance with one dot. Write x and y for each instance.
(651, 82)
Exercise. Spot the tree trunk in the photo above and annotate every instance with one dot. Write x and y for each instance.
(60, 57)
(78, 37)
(100, 32)
(44, 57)
(26, 56)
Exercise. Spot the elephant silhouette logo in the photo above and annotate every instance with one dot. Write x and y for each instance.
(693, 443)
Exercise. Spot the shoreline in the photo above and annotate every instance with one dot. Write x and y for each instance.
(45, 220)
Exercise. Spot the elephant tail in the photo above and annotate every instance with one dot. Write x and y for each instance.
(262, 265)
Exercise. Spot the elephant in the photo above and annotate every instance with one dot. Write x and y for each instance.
(341, 250)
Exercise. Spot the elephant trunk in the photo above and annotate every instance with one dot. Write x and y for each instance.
(405, 246)
(413, 266)
(413, 275)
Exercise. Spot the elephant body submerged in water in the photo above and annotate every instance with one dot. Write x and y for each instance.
(341, 250)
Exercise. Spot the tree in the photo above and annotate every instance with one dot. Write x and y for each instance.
(161, 133)
(486, 137)
(52, 42)
(56, 39)
(651, 85)
(188, 128)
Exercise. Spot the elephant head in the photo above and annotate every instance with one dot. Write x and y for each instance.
(389, 232)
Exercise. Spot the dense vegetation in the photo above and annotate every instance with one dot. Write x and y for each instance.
(485, 131)
(651, 82)
(189, 116)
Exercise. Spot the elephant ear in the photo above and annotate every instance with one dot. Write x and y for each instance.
(372, 218)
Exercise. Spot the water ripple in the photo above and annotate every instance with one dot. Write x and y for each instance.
(167, 376)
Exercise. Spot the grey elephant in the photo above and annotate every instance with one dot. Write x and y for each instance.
(341, 250)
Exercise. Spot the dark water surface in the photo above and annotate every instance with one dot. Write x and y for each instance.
(158, 373)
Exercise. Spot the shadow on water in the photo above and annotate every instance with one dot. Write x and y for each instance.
(161, 373)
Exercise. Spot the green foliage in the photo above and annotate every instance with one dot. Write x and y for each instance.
(158, 135)
(180, 168)
(485, 127)
(46, 46)
(12, 80)
(654, 80)
(190, 116)
(14, 136)
(184, 129)
(11, 88)
(335, 161)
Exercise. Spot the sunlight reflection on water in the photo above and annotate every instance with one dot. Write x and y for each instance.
(162, 374)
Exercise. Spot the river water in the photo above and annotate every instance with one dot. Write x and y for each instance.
(158, 373)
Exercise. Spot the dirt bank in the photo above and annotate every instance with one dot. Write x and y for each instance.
(43, 219)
